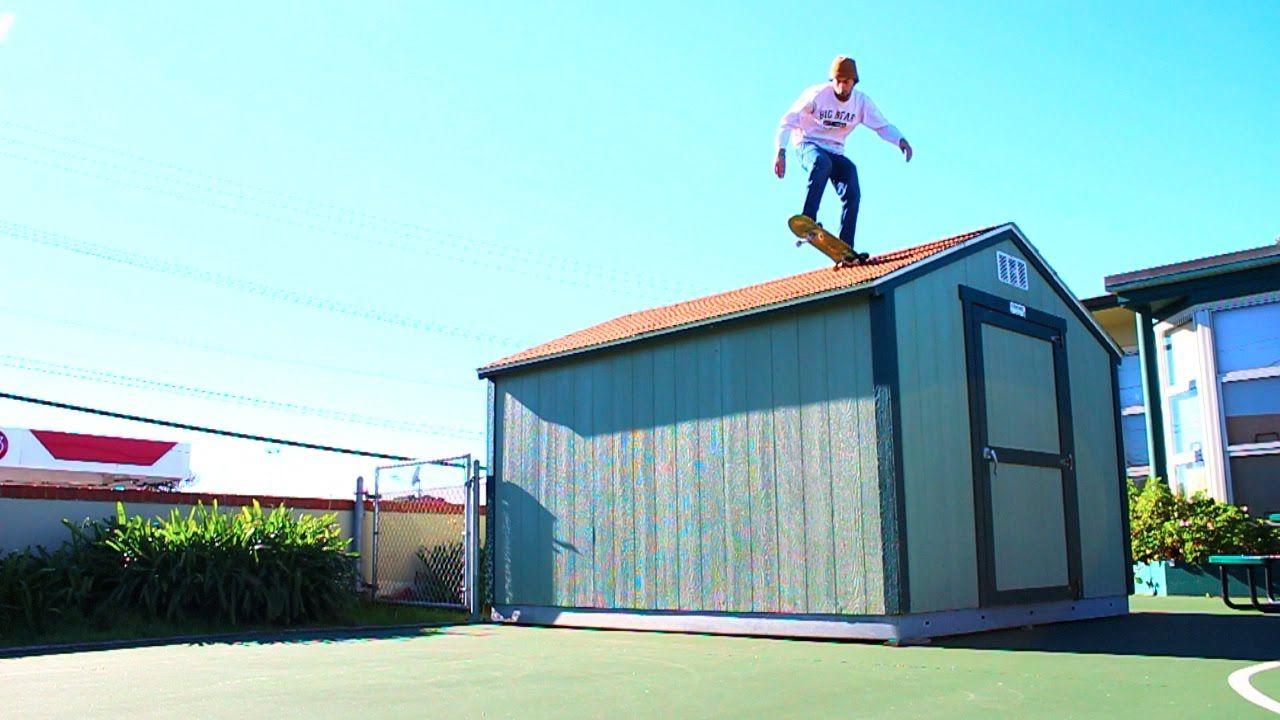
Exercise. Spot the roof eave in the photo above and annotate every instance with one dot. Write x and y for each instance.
(487, 372)
(1142, 280)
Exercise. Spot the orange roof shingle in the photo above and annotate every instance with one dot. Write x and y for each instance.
(752, 297)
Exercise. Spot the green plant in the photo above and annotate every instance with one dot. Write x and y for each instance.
(252, 566)
(440, 579)
(1168, 526)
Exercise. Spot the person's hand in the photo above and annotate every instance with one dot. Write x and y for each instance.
(905, 147)
(780, 164)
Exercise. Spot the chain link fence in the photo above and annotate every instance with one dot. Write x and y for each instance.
(425, 548)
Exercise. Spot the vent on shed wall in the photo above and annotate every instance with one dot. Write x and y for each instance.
(1011, 270)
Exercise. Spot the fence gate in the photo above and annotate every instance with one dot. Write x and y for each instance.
(425, 544)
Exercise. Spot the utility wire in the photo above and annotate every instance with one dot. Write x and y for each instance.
(168, 267)
(234, 190)
(224, 350)
(58, 369)
(201, 429)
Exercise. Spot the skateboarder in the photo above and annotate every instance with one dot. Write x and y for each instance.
(818, 123)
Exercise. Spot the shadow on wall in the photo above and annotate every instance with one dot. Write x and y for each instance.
(782, 364)
(534, 533)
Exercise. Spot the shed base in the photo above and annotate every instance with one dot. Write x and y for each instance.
(889, 628)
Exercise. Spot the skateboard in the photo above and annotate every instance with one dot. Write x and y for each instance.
(833, 247)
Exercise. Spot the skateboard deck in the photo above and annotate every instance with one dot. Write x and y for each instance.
(833, 247)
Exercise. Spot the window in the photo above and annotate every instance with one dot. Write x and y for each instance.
(1247, 341)
(1180, 356)
(1252, 408)
(1247, 338)
(1133, 416)
(1184, 414)
(1129, 376)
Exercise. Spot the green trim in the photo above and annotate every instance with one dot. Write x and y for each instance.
(1126, 533)
(893, 509)
(1157, 459)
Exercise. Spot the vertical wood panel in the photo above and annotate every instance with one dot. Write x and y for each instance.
(644, 474)
(603, 471)
(870, 565)
(511, 454)
(689, 506)
(1098, 474)
(531, 555)
(583, 489)
(564, 513)
(760, 471)
(792, 566)
(624, 535)
(738, 528)
(949, 374)
(816, 463)
(846, 466)
(711, 474)
(666, 493)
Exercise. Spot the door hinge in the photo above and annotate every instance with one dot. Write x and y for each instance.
(1074, 586)
(1068, 461)
(1057, 340)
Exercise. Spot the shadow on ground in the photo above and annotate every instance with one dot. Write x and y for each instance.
(271, 637)
(1243, 636)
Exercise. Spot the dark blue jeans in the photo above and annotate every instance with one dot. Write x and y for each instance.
(823, 166)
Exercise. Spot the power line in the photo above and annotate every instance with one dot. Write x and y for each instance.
(600, 275)
(168, 267)
(129, 381)
(200, 429)
(206, 347)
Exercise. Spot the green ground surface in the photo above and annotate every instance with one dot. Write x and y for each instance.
(1168, 660)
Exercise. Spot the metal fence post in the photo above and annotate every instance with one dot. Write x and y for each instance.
(475, 571)
(373, 555)
(357, 533)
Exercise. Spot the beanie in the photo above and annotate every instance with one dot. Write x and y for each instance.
(844, 67)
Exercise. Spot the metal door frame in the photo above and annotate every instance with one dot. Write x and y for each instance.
(982, 308)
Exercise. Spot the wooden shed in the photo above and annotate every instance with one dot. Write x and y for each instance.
(923, 445)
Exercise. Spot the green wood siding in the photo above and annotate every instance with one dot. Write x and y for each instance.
(726, 469)
(942, 556)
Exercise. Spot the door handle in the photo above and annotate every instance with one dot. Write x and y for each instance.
(990, 456)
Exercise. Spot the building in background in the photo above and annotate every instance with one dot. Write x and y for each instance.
(47, 457)
(1200, 380)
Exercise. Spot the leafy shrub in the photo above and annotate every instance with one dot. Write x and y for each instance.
(252, 566)
(38, 587)
(1168, 526)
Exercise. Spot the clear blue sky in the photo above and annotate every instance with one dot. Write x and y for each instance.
(349, 208)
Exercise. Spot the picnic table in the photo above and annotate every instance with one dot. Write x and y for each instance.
(1251, 563)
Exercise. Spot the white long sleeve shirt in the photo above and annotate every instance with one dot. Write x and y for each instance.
(819, 117)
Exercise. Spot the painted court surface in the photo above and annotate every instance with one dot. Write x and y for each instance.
(1169, 660)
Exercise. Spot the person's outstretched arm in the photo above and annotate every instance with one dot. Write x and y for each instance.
(872, 118)
(791, 120)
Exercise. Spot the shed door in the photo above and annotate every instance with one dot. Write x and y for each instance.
(1023, 455)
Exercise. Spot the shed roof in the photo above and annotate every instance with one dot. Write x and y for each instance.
(752, 298)
(1194, 269)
